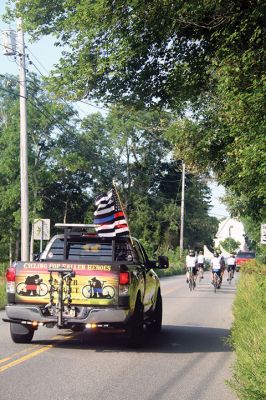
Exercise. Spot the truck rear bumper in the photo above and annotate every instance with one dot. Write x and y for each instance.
(87, 316)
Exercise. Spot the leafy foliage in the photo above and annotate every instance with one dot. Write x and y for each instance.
(150, 186)
(230, 244)
(249, 334)
(71, 161)
(205, 57)
(46, 120)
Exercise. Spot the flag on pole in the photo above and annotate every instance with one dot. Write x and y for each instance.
(109, 216)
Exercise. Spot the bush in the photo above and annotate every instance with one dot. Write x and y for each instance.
(3, 267)
(2, 293)
(176, 264)
(172, 270)
(248, 335)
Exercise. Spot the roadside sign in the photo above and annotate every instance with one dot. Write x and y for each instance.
(263, 234)
(41, 229)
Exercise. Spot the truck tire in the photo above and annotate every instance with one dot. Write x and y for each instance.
(21, 333)
(155, 323)
(135, 326)
(77, 328)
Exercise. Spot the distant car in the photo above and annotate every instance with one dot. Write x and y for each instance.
(242, 257)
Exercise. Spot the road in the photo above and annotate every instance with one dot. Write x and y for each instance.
(189, 360)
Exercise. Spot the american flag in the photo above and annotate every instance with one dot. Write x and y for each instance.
(109, 217)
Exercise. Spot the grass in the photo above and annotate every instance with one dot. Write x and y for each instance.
(2, 285)
(248, 336)
(2, 293)
(172, 270)
(176, 264)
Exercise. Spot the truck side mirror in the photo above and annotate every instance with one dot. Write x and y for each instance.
(163, 262)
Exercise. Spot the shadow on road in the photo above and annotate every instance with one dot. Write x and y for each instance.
(172, 339)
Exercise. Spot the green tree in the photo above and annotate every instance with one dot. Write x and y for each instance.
(150, 185)
(70, 161)
(206, 57)
(230, 244)
(52, 140)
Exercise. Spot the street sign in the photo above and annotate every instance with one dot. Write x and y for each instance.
(263, 234)
(41, 229)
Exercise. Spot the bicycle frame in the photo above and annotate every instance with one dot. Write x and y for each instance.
(230, 276)
(216, 281)
(190, 278)
(200, 273)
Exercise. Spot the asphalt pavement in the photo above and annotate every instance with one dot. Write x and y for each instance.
(190, 360)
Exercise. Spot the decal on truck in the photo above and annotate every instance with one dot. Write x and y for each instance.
(93, 284)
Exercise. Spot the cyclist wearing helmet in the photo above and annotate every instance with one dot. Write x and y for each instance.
(191, 263)
(216, 265)
(201, 260)
(231, 264)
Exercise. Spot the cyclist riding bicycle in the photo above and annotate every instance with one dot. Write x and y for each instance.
(191, 264)
(216, 265)
(97, 287)
(231, 265)
(201, 261)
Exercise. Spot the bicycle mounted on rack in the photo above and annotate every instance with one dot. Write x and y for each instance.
(87, 282)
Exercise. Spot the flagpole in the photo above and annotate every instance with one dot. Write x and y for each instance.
(121, 205)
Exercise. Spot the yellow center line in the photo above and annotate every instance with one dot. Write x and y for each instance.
(32, 354)
(26, 357)
(2, 360)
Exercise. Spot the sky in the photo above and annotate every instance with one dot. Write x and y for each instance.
(41, 57)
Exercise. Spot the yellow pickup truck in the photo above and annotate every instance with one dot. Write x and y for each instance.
(83, 281)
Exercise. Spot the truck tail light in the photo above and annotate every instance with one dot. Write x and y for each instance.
(124, 278)
(11, 274)
(10, 279)
(124, 281)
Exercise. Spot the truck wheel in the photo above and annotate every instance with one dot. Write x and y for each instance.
(77, 328)
(21, 333)
(135, 327)
(155, 324)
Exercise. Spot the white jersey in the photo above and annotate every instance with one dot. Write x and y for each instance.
(201, 259)
(191, 261)
(231, 261)
(216, 263)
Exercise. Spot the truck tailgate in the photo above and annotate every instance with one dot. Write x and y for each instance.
(95, 284)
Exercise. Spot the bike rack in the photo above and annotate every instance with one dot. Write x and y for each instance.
(65, 276)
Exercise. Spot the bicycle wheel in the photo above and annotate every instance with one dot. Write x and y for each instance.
(87, 291)
(42, 289)
(215, 283)
(230, 276)
(21, 288)
(108, 292)
(200, 274)
(190, 284)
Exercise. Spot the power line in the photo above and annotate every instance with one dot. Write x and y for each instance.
(46, 113)
(82, 101)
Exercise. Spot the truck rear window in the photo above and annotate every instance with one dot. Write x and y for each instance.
(83, 249)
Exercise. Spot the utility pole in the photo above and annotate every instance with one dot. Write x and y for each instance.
(230, 227)
(23, 147)
(182, 209)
